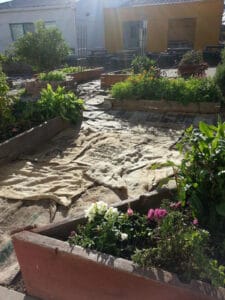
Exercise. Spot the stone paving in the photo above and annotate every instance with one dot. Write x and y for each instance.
(110, 160)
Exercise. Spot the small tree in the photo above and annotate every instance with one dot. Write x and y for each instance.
(43, 49)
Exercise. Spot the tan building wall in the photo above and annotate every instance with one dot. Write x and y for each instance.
(204, 26)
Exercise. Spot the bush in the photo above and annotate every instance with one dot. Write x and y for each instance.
(220, 77)
(43, 49)
(3, 84)
(144, 86)
(52, 76)
(202, 174)
(192, 58)
(142, 63)
(69, 70)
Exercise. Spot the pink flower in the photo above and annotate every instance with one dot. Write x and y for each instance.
(157, 214)
(162, 213)
(195, 221)
(14, 130)
(151, 213)
(73, 233)
(130, 212)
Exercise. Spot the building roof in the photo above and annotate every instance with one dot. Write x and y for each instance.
(155, 2)
(14, 4)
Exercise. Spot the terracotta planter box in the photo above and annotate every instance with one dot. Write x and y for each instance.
(107, 80)
(164, 106)
(192, 70)
(31, 139)
(52, 270)
(87, 75)
(35, 86)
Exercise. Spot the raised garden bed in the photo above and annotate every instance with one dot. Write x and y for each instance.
(192, 70)
(31, 139)
(33, 87)
(52, 270)
(109, 79)
(87, 75)
(163, 106)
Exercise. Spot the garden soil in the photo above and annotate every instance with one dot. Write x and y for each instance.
(109, 159)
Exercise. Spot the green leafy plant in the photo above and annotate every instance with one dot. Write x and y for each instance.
(43, 49)
(192, 58)
(69, 70)
(58, 103)
(17, 115)
(180, 246)
(52, 76)
(142, 63)
(145, 86)
(220, 77)
(3, 84)
(202, 174)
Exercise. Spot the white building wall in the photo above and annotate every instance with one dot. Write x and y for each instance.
(64, 18)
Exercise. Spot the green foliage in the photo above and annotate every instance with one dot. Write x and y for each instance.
(58, 103)
(3, 84)
(17, 115)
(52, 76)
(220, 77)
(180, 247)
(43, 49)
(144, 86)
(142, 63)
(68, 70)
(202, 174)
(191, 58)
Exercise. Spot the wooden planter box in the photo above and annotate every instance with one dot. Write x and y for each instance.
(52, 270)
(107, 80)
(31, 139)
(87, 75)
(164, 106)
(35, 86)
(192, 70)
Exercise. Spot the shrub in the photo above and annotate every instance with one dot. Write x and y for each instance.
(202, 174)
(52, 76)
(144, 86)
(192, 58)
(43, 49)
(3, 84)
(220, 77)
(142, 63)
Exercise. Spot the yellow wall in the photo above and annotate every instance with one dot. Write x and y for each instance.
(208, 14)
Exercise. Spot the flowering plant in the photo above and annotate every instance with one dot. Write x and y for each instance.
(167, 237)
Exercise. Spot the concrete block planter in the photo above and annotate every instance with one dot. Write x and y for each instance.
(87, 75)
(109, 79)
(31, 139)
(164, 106)
(52, 270)
(34, 86)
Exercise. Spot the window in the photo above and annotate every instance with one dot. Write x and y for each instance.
(18, 30)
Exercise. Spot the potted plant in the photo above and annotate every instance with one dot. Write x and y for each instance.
(192, 64)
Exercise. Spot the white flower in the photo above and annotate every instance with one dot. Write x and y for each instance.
(112, 212)
(96, 208)
(102, 207)
(123, 236)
